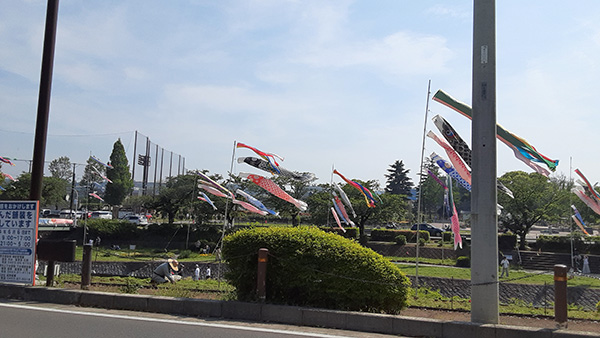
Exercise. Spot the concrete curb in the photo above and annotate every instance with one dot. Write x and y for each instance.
(355, 321)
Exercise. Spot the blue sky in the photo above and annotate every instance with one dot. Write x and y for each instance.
(322, 83)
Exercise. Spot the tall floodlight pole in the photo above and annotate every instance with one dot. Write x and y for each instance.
(484, 227)
(43, 112)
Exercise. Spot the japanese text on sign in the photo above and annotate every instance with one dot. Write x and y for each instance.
(18, 232)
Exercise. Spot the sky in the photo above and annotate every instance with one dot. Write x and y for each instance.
(324, 84)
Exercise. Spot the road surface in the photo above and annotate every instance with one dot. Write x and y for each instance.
(23, 319)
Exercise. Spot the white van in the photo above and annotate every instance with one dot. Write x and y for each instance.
(101, 214)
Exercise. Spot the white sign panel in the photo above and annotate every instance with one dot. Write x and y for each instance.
(18, 234)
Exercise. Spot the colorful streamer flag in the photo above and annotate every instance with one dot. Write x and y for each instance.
(269, 157)
(366, 193)
(209, 181)
(447, 167)
(206, 199)
(579, 224)
(100, 174)
(457, 143)
(212, 190)
(435, 178)
(94, 195)
(249, 207)
(107, 165)
(339, 212)
(344, 198)
(266, 166)
(9, 177)
(578, 219)
(340, 206)
(590, 188)
(6, 160)
(589, 201)
(271, 187)
(453, 216)
(518, 144)
(337, 219)
(2, 188)
(455, 159)
(256, 202)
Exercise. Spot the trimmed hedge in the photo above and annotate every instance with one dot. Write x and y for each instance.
(351, 233)
(308, 267)
(583, 244)
(111, 229)
(388, 235)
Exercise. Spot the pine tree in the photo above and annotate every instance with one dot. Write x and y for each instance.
(398, 182)
(122, 183)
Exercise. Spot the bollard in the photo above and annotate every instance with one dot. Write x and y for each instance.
(86, 267)
(560, 294)
(261, 275)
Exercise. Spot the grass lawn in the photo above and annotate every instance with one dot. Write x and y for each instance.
(516, 276)
(102, 254)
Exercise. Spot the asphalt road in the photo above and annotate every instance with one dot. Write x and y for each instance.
(21, 319)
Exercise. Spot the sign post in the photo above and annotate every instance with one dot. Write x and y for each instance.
(18, 234)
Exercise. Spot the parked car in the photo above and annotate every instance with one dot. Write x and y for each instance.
(136, 219)
(101, 214)
(433, 231)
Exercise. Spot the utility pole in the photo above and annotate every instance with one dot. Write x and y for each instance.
(43, 111)
(484, 227)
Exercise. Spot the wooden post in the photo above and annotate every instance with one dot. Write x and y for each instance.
(86, 267)
(560, 294)
(261, 276)
(50, 274)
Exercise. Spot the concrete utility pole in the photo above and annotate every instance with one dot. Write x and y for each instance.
(484, 227)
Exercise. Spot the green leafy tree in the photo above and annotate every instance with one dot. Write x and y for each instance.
(398, 182)
(122, 183)
(61, 168)
(535, 199)
(54, 190)
(90, 173)
(431, 193)
(177, 196)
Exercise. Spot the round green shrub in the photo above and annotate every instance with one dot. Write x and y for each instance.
(463, 261)
(308, 267)
(401, 240)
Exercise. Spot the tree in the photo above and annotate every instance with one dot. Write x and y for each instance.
(177, 195)
(535, 199)
(430, 192)
(54, 190)
(90, 173)
(398, 182)
(122, 183)
(61, 168)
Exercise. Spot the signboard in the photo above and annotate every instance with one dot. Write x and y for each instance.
(18, 234)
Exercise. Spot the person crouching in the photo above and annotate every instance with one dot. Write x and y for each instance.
(166, 272)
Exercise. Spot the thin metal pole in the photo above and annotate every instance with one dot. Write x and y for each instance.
(419, 214)
(226, 214)
(155, 170)
(43, 111)
(484, 218)
(134, 159)
(162, 161)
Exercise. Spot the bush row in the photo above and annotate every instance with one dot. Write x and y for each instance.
(351, 233)
(583, 244)
(389, 235)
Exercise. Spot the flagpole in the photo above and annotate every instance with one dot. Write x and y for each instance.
(226, 213)
(419, 214)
